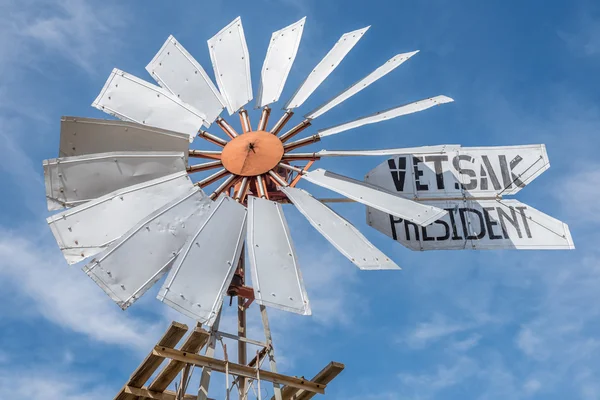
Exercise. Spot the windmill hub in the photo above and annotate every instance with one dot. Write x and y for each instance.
(253, 153)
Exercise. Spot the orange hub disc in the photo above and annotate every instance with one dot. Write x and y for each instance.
(252, 153)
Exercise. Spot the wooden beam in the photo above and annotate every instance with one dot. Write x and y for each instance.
(325, 376)
(144, 393)
(238, 369)
(152, 361)
(195, 341)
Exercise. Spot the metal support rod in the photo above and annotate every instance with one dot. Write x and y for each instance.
(212, 178)
(204, 167)
(302, 142)
(295, 130)
(240, 338)
(262, 189)
(291, 168)
(300, 156)
(210, 352)
(271, 351)
(223, 186)
(212, 138)
(297, 178)
(241, 192)
(228, 129)
(245, 121)
(212, 155)
(242, 327)
(278, 178)
(264, 118)
(282, 121)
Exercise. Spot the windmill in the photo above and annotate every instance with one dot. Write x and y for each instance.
(130, 208)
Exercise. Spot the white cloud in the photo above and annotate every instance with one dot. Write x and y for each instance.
(530, 344)
(467, 344)
(532, 386)
(66, 296)
(438, 328)
(579, 193)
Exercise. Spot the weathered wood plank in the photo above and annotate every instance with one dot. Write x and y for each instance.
(326, 375)
(195, 341)
(144, 393)
(145, 370)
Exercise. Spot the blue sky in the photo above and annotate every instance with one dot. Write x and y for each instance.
(450, 325)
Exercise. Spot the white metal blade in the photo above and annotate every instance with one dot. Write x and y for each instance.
(387, 152)
(281, 54)
(132, 99)
(478, 225)
(386, 114)
(325, 67)
(275, 274)
(203, 271)
(80, 136)
(339, 232)
(87, 229)
(177, 71)
(71, 181)
(379, 73)
(131, 265)
(375, 197)
(231, 63)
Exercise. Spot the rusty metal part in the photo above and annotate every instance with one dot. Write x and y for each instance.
(227, 183)
(213, 178)
(299, 176)
(252, 154)
(302, 142)
(212, 138)
(264, 118)
(278, 178)
(295, 130)
(228, 129)
(282, 121)
(213, 155)
(300, 156)
(261, 187)
(245, 121)
(204, 167)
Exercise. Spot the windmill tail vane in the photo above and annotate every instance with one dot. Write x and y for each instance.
(129, 204)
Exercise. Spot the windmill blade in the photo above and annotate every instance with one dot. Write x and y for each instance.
(89, 228)
(177, 71)
(231, 63)
(386, 114)
(275, 274)
(209, 259)
(281, 54)
(132, 99)
(339, 232)
(71, 181)
(374, 76)
(375, 197)
(80, 136)
(131, 265)
(325, 67)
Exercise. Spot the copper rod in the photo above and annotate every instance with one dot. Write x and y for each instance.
(240, 192)
(245, 121)
(282, 121)
(262, 189)
(297, 178)
(295, 130)
(278, 178)
(213, 155)
(302, 142)
(264, 118)
(212, 138)
(204, 167)
(212, 178)
(228, 129)
(223, 186)
(300, 156)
